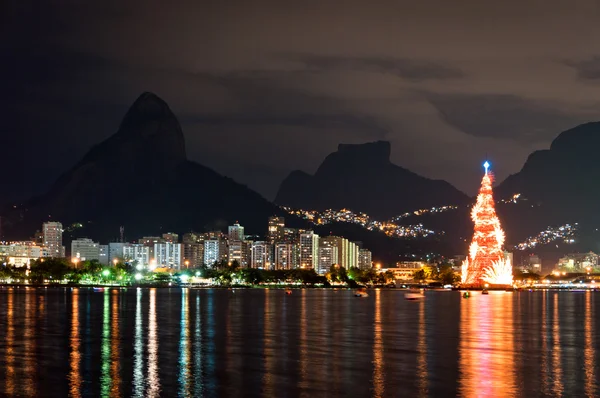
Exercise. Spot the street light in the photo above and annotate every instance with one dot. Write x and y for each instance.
(106, 273)
(115, 261)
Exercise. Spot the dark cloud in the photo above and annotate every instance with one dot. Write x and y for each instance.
(265, 87)
(402, 67)
(503, 116)
(587, 69)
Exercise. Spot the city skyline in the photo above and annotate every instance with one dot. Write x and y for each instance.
(283, 248)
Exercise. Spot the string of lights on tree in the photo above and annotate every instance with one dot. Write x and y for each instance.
(486, 263)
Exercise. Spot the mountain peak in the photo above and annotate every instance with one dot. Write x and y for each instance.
(370, 151)
(362, 178)
(585, 137)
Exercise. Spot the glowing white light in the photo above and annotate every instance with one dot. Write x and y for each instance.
(138, 276)
(487, 166)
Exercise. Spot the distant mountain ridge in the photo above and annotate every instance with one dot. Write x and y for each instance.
(563, 180)
(362, 177)
(140, 178)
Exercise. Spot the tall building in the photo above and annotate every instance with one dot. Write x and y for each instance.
(343, 249)
(328, 256)
(137, 253)
(53, 232)
(285, 255)
(290, 235)
(103, 254)
(364, 259)
(236, 232)
(276, 229)
(352, 259)
(193, 250)
(150, 241)
(85, 249)
(168, 255)
(309, 250)
(211, 252)
(261, 255)
(235, 252)
(115, 252)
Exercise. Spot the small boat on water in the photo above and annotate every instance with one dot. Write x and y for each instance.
(484, 291)
(288, 291)
(466, 295)
(414, 296)
(361, 293)
(98, 289)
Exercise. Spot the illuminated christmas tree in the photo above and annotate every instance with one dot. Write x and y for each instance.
(485, 263)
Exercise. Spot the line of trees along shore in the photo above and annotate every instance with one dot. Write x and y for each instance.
(62, 271)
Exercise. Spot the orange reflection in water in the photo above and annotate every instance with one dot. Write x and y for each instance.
(29, 343)
(422, 351)
(153, 379)
(556, 350)
(115, 368)
(588, 352)
(10, 348)
(303, 349)
(268, 351)
(75, 357)
(378, 372)
(545, 371)
(486, 347)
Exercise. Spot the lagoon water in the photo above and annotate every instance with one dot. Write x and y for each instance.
(313, 343)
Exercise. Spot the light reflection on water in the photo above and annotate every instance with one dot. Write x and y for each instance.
(153, 380)
(311, 343)
(75, 358)
(184, 347)
(589, 352)
(138, 348)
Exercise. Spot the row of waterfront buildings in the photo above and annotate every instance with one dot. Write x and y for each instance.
(283, 248)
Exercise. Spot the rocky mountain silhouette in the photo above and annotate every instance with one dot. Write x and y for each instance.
(140, 178)
(362, 178)
(562, 183)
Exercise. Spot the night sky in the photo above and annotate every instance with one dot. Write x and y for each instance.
(265, 87)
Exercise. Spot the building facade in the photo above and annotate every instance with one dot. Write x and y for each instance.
(276, 229)
(261, 255)
(235, 232)
(137, 253)
(53, 232)
(84, 249)
(365, 260)
(309, 250)
(286, 256)
(328, 256)
(115, 252)
(168, 255)
(212, 253)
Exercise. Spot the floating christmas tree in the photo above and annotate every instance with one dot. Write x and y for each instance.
(485, 263)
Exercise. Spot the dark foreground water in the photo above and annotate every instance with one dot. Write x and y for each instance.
(313, 343)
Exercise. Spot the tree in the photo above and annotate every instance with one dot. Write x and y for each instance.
(419, 275)
(485, 251)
